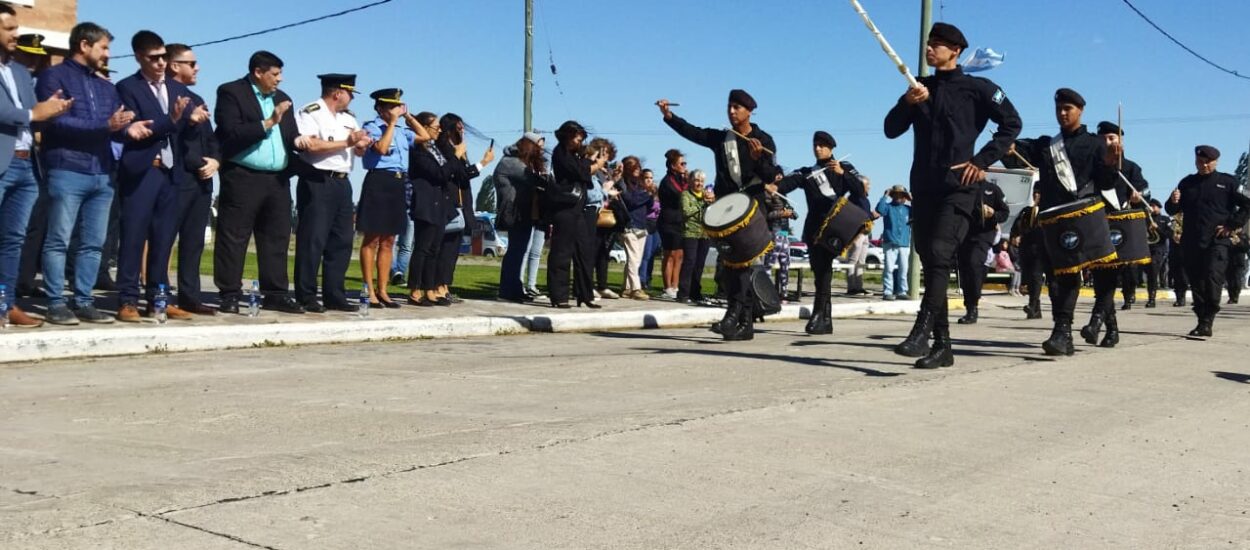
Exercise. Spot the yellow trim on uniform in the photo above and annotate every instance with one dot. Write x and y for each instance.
(722, 233)
(1127, 215)
(1115, 264)
(746, 264)
(837, 207)
(1077, 269)
(35, 50)
(1082, 212)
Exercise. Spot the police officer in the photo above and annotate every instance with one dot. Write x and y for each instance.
(990, 211)
(1073, 166)
(947, 111)
(1158, 252)
(1215, 205)
(1130, 192)
(329, 136)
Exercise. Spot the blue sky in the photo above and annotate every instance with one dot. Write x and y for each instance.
(810, 64)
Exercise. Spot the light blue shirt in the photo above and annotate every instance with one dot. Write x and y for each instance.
(267, 154)
(896, 217)
(396, 158)
(24, 138)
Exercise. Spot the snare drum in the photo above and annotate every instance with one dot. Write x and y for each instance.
(1076, 235)
(738, 225)
(841, 225)
(1128, 235)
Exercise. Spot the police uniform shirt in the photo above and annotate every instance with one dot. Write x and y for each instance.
(396, 158)
(1208, 201)
(316, 120)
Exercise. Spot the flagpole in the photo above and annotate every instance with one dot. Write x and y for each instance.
(913, 271)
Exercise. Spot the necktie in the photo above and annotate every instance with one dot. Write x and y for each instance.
(162, 96)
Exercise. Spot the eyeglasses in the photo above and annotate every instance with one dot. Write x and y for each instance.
(192, 62)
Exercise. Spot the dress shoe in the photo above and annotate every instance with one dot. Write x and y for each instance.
(228, 305)
(19, 319)
(313, 306)
(199, 309)
(561, 305)
(129, 313)
(388, 304)
(284, 304)
(420, 302)
(1127, 306)
(343, 307)
(172, 312)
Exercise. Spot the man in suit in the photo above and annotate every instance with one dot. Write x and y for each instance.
(257, 141)
(149, 197)
(18, 187)
(200, 160)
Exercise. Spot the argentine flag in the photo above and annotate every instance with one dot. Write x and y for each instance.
(983, 59)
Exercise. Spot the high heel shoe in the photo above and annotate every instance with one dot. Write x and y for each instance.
(388, 304)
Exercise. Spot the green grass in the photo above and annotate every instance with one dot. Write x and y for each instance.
(478, 277)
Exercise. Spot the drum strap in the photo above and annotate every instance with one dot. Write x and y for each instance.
(731, 158)
(1063, 167)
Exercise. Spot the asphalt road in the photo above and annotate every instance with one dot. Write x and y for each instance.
(642, 440)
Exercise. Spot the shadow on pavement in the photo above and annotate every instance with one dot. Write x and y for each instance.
(809, 361)
(1232, 376)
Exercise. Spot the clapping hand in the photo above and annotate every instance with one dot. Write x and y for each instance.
(121, 117)
(200, 114)
(180, 107)
(139, 131)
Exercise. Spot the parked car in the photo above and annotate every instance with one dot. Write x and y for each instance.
(798, 248)
(617, 254)
(493, 244)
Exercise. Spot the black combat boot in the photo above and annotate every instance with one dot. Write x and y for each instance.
(1060, 341)
(1113, 332)
(917, 342)
(1150, 301)
(730, 319)
(940, 355)
(822, 317)
(1033, 310)
(743, 328)
(1090, 332)
(969, 318)
(1180, 300)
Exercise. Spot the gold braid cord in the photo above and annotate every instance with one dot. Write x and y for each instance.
(1134, 215)
(1121, 263)
(1077, 268)
(722, 233)
(746, 264)
(1087, 210)
(837, 207)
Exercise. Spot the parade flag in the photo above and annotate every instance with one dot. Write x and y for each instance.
(983, 59)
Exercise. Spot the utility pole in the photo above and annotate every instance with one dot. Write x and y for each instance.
(529, 65)
(926, 21)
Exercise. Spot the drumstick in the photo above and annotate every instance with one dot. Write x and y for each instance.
(766, 150)
(1119, 121)
(885, 45)
(1022, 159)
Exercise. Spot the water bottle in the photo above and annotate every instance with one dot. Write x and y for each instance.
(364, 300)
(253, 300)
(4, 307)
(160, 303)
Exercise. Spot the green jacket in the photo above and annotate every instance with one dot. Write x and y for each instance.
(692, 207)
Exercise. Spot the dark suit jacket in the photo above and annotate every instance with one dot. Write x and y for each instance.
(462, 181)
(195, 143)
(137, 96)
(240, 123)
(433, 185)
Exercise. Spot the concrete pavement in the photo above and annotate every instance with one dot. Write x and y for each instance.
(663, 438)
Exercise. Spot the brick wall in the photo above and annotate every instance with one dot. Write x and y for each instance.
(55, 15)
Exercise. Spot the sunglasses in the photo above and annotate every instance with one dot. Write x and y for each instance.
(192, 63)
(156, 57)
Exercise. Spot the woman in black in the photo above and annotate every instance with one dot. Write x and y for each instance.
(459, 195)
(672, 220)
(430, 172)
(564, 201)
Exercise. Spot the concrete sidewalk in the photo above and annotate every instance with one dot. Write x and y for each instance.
(469, 319)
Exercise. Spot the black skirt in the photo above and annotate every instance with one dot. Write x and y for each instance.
(383, 207)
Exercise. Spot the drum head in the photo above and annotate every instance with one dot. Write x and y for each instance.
(727, 211)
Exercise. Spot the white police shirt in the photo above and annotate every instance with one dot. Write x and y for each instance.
(316, 120)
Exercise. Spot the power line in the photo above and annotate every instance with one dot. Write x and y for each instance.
(283, 27)
(1183, 46)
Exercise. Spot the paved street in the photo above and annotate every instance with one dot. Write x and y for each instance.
(642, 440)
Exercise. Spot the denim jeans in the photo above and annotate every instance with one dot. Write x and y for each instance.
(894, 277)
(510, 284)
(533, 259)
(648, 258)
(403, 249)
(18, 191)
(71, 195)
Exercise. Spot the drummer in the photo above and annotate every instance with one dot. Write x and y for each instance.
(1134, 197)
(948, 111)
(823, 183)
(991, 210)
(1085, 175)
(744, 163)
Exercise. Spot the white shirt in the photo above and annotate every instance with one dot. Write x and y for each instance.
(316, 120)
(24, 137)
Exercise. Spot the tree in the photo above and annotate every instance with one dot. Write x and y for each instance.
(1242, 170)
(486, 196)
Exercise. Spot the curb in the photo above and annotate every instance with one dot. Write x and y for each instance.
(110, 342)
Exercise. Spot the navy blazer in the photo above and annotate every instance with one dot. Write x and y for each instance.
(195, 143)
(240, 121)
(137, 96)
(13, 118)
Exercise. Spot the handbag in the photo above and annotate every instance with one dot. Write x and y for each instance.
(607, 218)
(456, 223)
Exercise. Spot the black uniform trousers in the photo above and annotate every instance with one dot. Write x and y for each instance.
(972, 269)
(1106, 281)
(1236, 271)
(1129, 275)
(1176, 267)
(943, 228)
(1155, 271)
(252, 201)
(448, 256)
(149, 215)
(323, 237)
(1207, 269)
(427, 238)
(1033, 270)
(568, 230)
(195, 201)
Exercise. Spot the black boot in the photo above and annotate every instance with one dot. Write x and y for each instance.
(940, 355)
(1203, 329)
(1150, 302)
(969, 318)
(821, 321)
(1128, 304)
(1033, 310)
(1113, 332)
(917, 342)
(743, 328)
(1090, 332)
(1060, 341)
(1180, 301)
(730, 318)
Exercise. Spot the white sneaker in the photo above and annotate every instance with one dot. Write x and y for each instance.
(607, 293)
(670, 293)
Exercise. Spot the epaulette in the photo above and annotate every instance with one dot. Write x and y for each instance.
(350, 113)
(312, 108)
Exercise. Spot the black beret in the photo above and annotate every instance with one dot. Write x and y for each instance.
(1211, 153)
(949, 34)
(336, 80)
(1068, 95)
(822, 137)
(1155, 202)
(1106, 127)
(742, 98)
(388, 95)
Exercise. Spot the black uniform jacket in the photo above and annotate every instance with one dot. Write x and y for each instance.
(986, 229)
(1208, 201)
(818, 205)
(763, 169)
(1086, 153)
